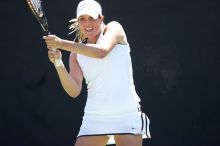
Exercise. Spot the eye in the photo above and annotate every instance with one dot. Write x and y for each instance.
(86, 18)
(91, 18)
(81, 19)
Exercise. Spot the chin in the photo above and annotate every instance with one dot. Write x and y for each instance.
(91, 36)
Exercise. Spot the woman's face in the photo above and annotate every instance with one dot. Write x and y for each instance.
(90, 27)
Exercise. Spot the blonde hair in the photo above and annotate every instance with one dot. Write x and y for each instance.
(74, 27)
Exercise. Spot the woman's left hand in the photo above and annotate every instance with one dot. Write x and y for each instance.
(53, 42)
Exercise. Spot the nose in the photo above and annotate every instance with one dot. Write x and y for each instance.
(87, 21)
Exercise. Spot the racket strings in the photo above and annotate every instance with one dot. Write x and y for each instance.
(37, 5)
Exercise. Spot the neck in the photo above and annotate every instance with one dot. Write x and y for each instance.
(93, 40)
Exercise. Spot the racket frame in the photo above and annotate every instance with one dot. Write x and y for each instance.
(40, 16)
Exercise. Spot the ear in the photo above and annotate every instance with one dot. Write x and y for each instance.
(102, 18)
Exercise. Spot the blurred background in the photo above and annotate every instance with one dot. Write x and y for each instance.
(176, 64)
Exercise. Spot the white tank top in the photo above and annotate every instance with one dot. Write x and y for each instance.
(110, 83)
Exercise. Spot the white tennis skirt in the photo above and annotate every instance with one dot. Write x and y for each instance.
(136, 123)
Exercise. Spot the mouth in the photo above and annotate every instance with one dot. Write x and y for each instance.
(89, 29)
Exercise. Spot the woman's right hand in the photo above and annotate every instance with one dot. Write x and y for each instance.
(54, 54)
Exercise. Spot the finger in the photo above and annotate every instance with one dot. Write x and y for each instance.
(49, 37)
(45, 37)
(52, 56)
(49, 41)
(50, 48)
(50, 53)
(57, 50)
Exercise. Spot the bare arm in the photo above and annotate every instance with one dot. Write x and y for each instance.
(114, 34)
(72, 81)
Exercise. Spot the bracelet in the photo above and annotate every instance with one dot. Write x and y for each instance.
(58, 63)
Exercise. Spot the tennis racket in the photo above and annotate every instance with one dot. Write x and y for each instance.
(38, 11)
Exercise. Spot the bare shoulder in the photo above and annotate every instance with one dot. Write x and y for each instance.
(116, 27)
(114, 23)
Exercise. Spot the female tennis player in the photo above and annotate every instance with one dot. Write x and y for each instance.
(101, 55)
